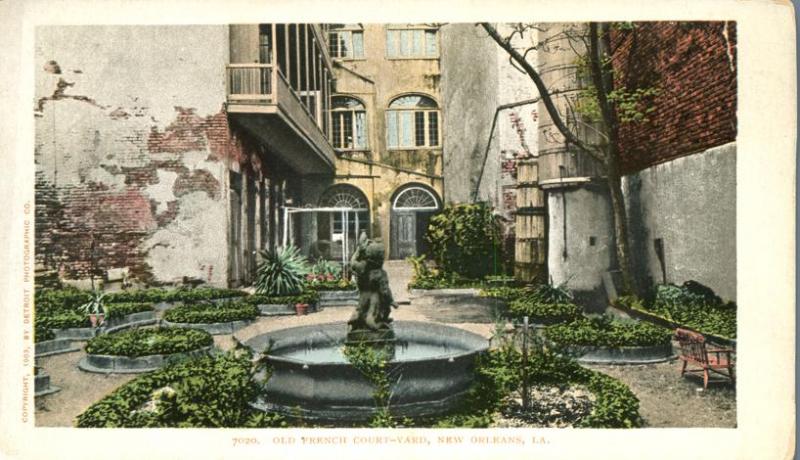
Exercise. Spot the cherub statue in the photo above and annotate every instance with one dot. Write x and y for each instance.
(375, 297)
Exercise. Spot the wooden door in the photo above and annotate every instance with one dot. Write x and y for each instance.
(404, 234)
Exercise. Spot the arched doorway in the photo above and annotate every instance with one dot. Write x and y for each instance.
(412, 207)
(339, 230)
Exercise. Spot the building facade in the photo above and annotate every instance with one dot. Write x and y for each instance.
(386, 117)
(159, 160)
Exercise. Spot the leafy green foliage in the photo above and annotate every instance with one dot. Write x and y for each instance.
(208, 293)
(691, 305)
(340, 285)
(143, 342)
(204, 392)
(373, 363)
(603, 331)
(118, 310)
(42, 332)
(281, 272)
(507, 293)
(326, 268)
(308, 296)
(543, 313)
(465, 239)
(56, 300)
(205, 313)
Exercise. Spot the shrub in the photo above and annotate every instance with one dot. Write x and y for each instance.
(281, 272)
(143, 342)
(203, 392)
(465, 239)
(118, 310)
(606, 332)
(543, 313)
(204, 313)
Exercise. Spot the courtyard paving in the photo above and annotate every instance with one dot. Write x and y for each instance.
(666, 400)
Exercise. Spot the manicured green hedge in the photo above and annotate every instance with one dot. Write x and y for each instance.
(212, 313)
(308, 297)
(605, 332)
(118, 310)
(156, 295)
(543, 313)
(204, 392)
(48, 301)
(144, 342)
(62, 320)
(690, 307)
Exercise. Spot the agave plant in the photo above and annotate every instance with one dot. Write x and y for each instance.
(95, 305)
(281, 272)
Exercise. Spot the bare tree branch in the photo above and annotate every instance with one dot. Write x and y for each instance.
(543, 92)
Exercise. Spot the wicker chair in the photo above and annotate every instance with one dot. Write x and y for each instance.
(705, 358)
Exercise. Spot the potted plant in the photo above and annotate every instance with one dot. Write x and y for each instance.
(301, 309)
(95, 308)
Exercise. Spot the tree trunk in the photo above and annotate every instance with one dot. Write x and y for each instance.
(620, 223)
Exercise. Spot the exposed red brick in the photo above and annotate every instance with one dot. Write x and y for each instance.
(691, 64)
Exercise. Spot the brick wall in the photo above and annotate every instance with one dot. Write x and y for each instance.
(693, 65)
(137, 208)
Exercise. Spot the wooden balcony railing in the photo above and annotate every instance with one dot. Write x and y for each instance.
(251, 83)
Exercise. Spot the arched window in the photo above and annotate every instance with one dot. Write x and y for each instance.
(415, 199)
(346, 196)
(349, 119)
(412, 121)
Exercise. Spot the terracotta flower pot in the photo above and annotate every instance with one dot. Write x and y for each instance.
(96, 319)
(301, 308)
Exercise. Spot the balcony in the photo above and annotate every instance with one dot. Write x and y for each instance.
(263, 102)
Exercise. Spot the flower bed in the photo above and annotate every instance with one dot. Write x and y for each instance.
(605, 332)
(142, 342)
(210, 313)
(204, 392)
(543, 313)
(156, 295)
(683, 307)
(606, 341)
(143, 350)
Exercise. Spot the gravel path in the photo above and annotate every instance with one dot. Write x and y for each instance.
(666, 400)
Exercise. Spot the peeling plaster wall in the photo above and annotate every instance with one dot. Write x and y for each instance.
(133, 150)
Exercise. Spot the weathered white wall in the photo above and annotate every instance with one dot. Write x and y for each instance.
(690, 203)
(125, 132)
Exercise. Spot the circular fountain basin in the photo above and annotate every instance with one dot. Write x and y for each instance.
(431, 371)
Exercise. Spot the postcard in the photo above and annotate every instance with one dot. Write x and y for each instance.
(530, 229)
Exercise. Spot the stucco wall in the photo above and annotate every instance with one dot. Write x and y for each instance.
(133, 148)
(476, 79)
(588, 217)
(689, 203)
